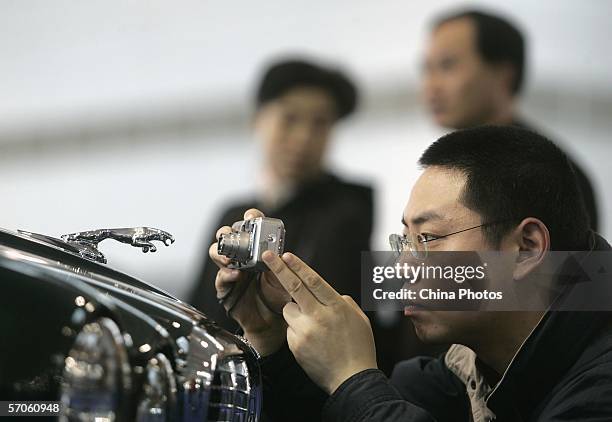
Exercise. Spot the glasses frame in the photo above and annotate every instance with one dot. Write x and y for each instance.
(399, 242)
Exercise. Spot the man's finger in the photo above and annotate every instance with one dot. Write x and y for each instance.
(290, 282)
(223, 230)
(291, 311)
(313, 281)
(253, 213)
(220, 260)
(225, 279)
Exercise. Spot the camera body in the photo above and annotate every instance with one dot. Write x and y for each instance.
(249, 239)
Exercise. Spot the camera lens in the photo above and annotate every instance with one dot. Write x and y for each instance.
(235, 245)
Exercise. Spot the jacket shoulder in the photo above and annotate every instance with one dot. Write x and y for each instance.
(586, 389)
(234, 212)
(428, 383)
(358, 190)
(347, 197)
(585, 396)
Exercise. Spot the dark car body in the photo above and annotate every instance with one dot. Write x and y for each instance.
(101, 341)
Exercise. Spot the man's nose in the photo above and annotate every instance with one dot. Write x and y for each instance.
(301, 137)
(408, 260)
(431, 85)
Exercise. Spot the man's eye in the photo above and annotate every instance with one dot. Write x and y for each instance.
(428, 237)
(448, 63)
(321, 122)
(289, 118)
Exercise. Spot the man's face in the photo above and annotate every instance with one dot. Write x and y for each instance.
(434, 208)
(459, 88)
(295, 129)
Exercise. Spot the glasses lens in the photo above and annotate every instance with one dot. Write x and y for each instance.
(418, 247)
(395, 241)
(412, 243)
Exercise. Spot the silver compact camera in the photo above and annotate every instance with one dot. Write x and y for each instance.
(249, 239)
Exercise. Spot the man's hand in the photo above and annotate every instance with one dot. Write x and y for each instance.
(258, 311)
(329, 335)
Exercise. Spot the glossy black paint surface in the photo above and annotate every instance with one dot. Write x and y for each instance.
(47, 294)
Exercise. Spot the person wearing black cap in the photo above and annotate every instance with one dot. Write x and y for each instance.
(298, 103)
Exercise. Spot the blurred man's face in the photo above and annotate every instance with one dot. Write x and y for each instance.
(434, 208)
(459, 88)
(295, 130)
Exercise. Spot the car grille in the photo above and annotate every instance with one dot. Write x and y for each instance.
(233, 398)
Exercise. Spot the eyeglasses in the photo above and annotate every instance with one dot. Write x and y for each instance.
(416, 244)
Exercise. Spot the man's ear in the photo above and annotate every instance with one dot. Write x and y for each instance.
(533, 241)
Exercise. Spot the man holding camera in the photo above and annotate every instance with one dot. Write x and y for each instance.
(488, 188)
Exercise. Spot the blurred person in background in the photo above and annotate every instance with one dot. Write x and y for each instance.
(298, 104)
(473, 74)
(474, 71)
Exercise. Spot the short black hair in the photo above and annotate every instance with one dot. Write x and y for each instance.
(497, 41)
(280, 77)
(511, 174)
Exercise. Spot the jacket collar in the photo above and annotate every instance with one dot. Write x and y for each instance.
(547, 354)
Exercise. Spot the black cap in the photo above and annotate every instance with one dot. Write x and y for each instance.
(282, 76)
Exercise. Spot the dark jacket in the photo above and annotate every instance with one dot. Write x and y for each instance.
(563, 372)
(328, 223)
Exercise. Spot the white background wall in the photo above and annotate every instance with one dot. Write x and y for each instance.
(125, 113)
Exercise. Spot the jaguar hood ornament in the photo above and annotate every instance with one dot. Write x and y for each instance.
(140, 237)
